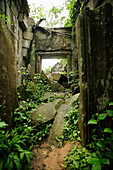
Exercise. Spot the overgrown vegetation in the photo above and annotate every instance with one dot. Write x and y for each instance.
(16, 145)
(4, 18)
(99, 153)
(53, 16)
(74, 7)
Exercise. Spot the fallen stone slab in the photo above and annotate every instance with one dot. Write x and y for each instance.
(72, 99)
(59, 95)
(56, 76)
(58, 103)
(58, 124)
(58, 86)
(48, 81)
(44, 113)
(47, 96)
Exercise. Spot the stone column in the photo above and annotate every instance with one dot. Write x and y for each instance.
(95, 58)
(38, 63)
(69, 65)
(8, 92)
(74, 52)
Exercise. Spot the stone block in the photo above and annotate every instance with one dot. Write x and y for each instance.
(24, 51)
(56, 76)
(31, 22)
(58, 124)
(2, 6)
(29, 28)
(26, 43)
(23, 21)
(28, 35)
(44, 113)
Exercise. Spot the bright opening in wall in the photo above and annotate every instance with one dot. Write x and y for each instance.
(49, 63)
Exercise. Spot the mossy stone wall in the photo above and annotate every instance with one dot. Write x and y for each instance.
(95, 57)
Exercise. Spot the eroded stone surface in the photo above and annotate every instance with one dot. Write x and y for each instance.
(58, 103)
(72, 99)
(44, 113)
(58, 124)
(8, 92)
(95, 55)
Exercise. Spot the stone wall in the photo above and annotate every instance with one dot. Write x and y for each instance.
(15, 39)
(95, 55)
(53, 43)
(92, 4)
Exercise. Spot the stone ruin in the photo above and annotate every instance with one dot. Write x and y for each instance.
(89, 46)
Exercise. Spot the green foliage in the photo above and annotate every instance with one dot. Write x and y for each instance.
(53, 16)
(16, 145)
(47, 70)
(102, 147)
(70, 6)
(73, 77)
(74, 8)
(54, 10)
(3, 17)
(2, 124)
(64, 62)
(11, 150)
(77, 158)
(98, 154)
(33, 89)
(70, 130)
(37, 12)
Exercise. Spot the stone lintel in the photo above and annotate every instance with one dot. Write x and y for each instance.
(54, 54)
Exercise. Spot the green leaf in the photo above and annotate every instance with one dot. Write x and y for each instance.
(21, 155)
(100, 144)
(102, 116)
(111, 104)
(28, 159)
(92, 121)
(93, 160)
(105, 161)
(18, 164)
(18, 147)
(110, 113)
(96, 166)
(109, 154)
(9, 163)
(108, 130)
(2, 124)
(1, 163)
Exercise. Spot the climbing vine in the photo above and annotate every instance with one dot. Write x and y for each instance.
(74, 7)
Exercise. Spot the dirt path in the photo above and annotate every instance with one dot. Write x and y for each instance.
(48, 157)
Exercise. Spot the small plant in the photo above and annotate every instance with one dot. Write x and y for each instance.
(3, 17)
(70, 130)
(16, 145)
(98, 154)
(102, 147)
(12, 149)
(77, 158)
(33, 90)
